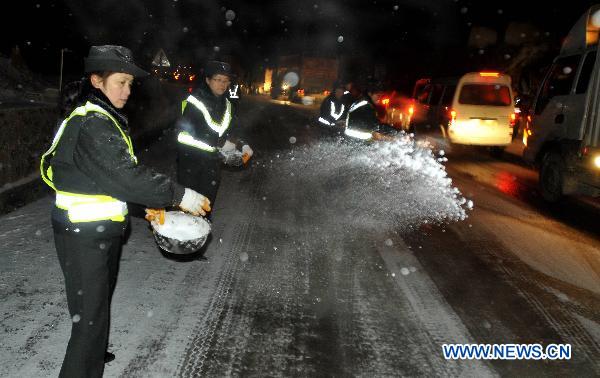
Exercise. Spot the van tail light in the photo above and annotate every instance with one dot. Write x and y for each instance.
(452, 114)
(513, 119)
(411, 110)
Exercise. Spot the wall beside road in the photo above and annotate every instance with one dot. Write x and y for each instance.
(27, 131)
(25, 134)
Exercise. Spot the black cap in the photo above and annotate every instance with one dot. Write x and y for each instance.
(214, 67)
(374, 86)
(112, 58)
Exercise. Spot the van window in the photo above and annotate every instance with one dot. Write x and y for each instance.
(419, 85)
(448, 95)
(485, 94)
(436, 94)
(423, 95)
(586, 72)
(559, 81)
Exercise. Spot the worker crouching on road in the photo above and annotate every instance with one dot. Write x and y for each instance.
(93, 169)
(362, 123)
(206, 133)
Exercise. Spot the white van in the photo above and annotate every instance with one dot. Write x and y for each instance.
(482, 111)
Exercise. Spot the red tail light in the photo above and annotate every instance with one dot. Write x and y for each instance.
(513, 119)
(385, 101)
(411, 110)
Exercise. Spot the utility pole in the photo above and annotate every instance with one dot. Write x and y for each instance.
(62, 51)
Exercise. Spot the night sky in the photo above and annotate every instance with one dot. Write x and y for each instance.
(409, 35)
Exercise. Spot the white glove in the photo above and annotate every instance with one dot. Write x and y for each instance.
(228, 147)
(246, 153)
(231, 156)
(194, 202)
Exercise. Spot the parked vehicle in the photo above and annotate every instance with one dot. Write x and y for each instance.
(563, 135)
(297, 76)
(475, 109)
(426, 110)
(482, 111)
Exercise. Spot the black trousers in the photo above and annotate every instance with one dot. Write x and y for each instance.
(200, 171)
(89, 259)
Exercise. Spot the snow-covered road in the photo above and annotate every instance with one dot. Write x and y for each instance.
(326, 259)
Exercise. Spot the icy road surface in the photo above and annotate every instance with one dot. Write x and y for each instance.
(326, 259)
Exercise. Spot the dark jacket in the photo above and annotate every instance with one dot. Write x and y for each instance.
(92, 157)
(332, 111)
(348, 98)
(192, 120)
(362, 116)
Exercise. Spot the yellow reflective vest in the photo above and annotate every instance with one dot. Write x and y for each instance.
(85, 207)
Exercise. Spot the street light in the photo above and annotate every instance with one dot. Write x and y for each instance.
(62, 51)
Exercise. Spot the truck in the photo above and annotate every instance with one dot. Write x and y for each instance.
(298, 75)
(562, 135)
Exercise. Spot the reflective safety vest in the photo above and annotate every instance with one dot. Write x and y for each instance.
(325, 122)
(356, 133)
(186, 138)
(335, 115)
(86, 207)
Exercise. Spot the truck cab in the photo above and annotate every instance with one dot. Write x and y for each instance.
(562, 136)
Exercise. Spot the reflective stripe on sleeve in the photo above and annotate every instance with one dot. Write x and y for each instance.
(185, 138)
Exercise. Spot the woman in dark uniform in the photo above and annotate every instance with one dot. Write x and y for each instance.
(93, 169)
